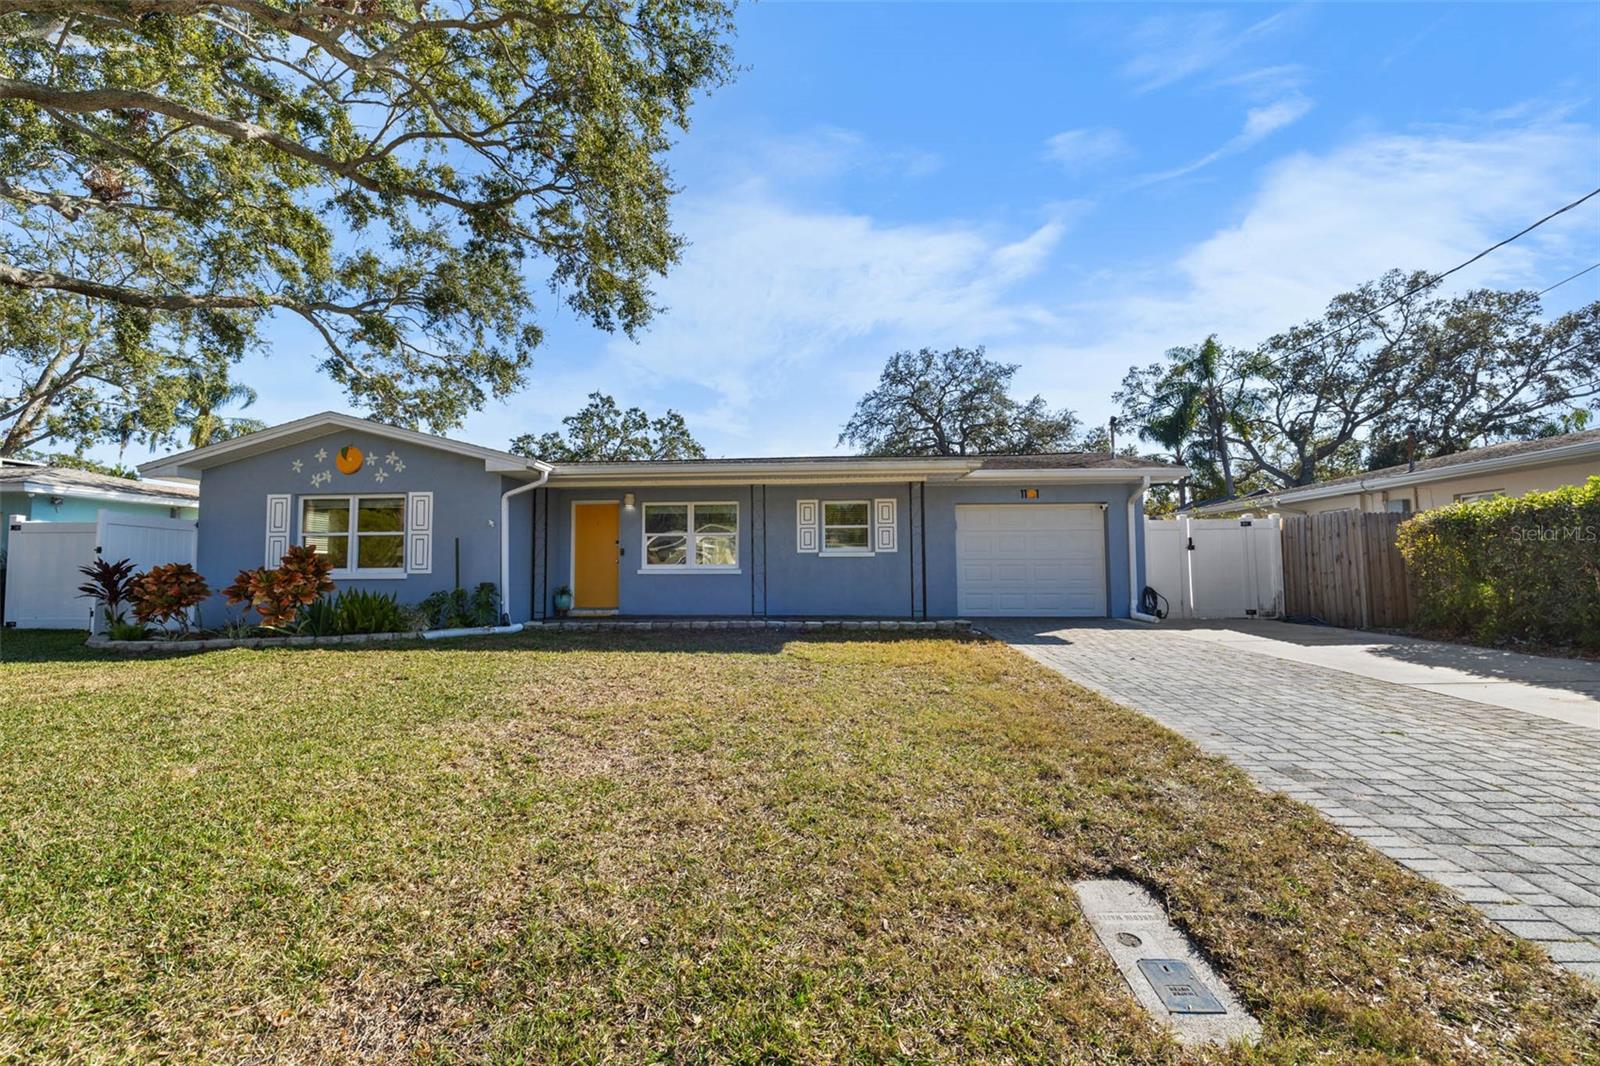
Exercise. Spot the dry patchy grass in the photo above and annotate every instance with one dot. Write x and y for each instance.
(707, 847)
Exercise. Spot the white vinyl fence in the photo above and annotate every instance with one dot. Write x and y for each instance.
(1216, 567)
(42, 562)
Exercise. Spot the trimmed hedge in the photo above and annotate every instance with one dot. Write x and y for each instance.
(1510, 569)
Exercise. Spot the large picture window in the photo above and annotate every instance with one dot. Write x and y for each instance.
(847, 527)
(363, 536)
(691, 536)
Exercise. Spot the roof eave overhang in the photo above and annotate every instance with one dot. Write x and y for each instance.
(84, 492)
(190, 464)
(1521, 460)
(577, 476)
(581, 476)
(1098, 475)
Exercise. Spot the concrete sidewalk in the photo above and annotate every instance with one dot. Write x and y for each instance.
(1567, 690)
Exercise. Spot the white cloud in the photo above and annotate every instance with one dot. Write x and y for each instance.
(1265, 83)
(828, 151)
(1170, 48)
(1080, 150)
(781, 314)
(1320, 224)
(1259, 124)
(777, 311)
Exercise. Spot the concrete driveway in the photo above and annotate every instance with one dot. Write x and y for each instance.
(1480, 769)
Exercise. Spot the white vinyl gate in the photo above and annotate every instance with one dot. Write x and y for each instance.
(42, 560)
(1215, 567)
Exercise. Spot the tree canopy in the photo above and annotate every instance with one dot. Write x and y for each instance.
(1386, 374)
(953, 403)
(397, 175)
(604, 432)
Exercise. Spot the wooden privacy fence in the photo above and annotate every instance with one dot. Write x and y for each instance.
(1343, 567)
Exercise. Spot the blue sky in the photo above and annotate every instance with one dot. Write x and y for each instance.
(1076, 187)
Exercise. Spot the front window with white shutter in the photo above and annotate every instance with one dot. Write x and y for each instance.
(362, 536)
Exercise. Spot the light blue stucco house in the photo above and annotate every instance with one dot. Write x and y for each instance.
(39, 493)
(831, 536)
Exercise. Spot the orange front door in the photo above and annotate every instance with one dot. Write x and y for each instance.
(595, 533)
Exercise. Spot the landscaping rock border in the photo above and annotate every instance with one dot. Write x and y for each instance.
(219, 643)
(807, 624)
(136, 647)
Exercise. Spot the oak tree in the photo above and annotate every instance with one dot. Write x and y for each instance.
(604, 432)
(400, 176)
(954, 403)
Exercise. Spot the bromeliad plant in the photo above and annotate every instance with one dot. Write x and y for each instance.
(360, 611)
(458, 609)
(108, 586)
(278, 595)
(166, 594)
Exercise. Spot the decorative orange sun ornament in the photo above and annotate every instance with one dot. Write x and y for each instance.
(348, 460)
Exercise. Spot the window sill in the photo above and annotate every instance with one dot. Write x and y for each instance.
(690, 570)
(368, 575)
(840, 553)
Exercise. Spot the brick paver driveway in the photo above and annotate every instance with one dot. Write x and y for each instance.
(1503, 807)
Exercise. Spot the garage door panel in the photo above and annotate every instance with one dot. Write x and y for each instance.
(1030, 560)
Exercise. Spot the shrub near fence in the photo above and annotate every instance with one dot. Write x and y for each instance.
(1518, 569)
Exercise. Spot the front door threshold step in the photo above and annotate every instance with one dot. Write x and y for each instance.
(812, 624)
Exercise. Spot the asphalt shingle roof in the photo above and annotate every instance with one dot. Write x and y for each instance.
(68, 479)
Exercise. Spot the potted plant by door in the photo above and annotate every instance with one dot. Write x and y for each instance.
(563, 601)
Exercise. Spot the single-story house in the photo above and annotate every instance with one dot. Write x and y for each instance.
(39, 493)
(915, 537)
(1514, 468)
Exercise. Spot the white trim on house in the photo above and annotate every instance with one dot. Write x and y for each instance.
(886, 525)
(690, 565)
(353, 571)
(82, 492)
(1561, 453)
(807, 526)
(280, 527)
(1057, 475)
(828, 471)
(865, 527)
(189, 464)
(419, 534)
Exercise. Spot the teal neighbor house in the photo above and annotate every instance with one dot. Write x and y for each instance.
(36, 492)
(827, 536)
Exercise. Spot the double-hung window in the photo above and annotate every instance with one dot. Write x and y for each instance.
(846, 527)
(691, 536)
(363, 536)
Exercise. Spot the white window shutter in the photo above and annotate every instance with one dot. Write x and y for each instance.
(278, 509)
(885, 530)
(419, 532)
(806, 527)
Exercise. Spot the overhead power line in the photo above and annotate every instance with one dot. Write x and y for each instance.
(1434, 279)
(1569, 277)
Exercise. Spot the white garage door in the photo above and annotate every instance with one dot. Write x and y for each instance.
(1038, 559)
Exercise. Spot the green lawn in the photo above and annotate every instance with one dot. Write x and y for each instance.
(679, 847)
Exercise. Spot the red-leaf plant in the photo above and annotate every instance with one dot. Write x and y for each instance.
(279, 594)
(164, 594)
(108, 585)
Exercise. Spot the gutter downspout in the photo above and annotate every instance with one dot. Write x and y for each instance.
(1135, 514)
(505, 542)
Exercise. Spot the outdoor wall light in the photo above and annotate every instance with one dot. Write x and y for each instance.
(627, 500)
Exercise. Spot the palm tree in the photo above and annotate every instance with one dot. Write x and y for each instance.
(1201, 372)
(206, 395)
